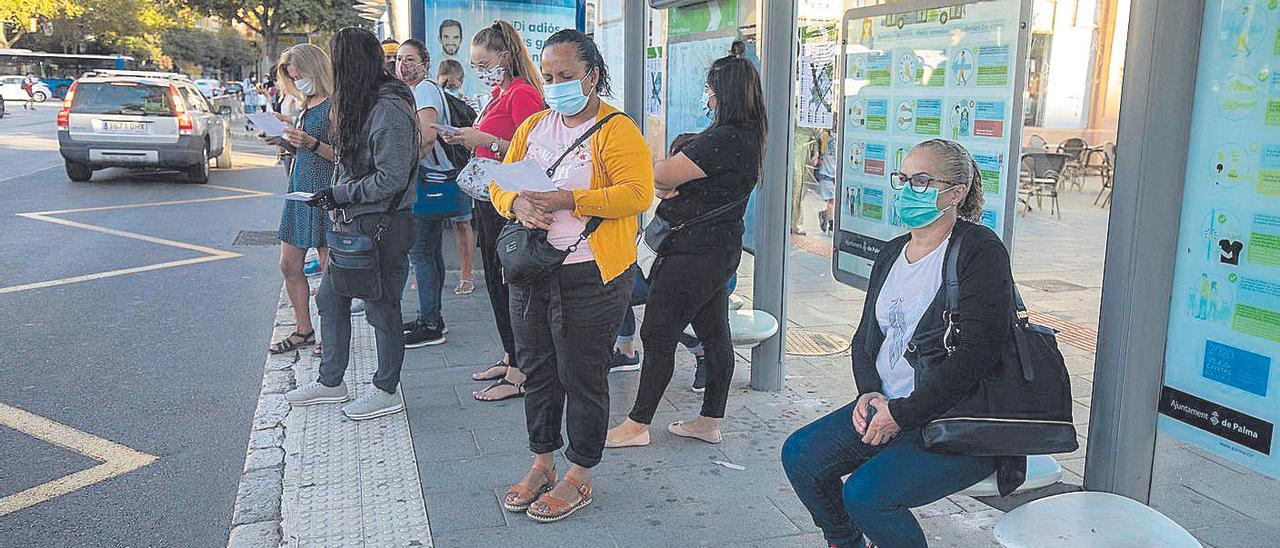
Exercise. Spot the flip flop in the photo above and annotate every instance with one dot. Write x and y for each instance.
(476, 376)
(678, 429)
(504, 382)
(464, 287)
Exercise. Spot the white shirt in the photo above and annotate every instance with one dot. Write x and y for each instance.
(428, 94)
(907, 292)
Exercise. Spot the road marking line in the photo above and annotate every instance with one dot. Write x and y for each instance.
(32, 172)
(210, 253)
(116, 459)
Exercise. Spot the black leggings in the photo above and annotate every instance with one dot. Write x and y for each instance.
(489, 224)
(687, 288)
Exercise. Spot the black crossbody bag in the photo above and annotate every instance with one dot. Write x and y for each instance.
(354, 261)
(525, 254)
(1023, 407)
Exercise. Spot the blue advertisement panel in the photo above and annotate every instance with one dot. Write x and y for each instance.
(451, 24)
(1222, 389)
(909, 75)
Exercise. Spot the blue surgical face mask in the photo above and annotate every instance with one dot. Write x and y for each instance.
(566, 98)
(919, 209)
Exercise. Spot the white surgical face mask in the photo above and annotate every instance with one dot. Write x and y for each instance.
(306, 86)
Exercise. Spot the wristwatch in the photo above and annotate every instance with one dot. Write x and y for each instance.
(315, 145)
(496, 145)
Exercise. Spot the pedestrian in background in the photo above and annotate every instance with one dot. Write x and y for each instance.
(377, 144)
(705, 189)
(876, 440)
(501, 60)
(450, 76)
(29, 86)
(565, 321)
(426, 255)
(306, 75)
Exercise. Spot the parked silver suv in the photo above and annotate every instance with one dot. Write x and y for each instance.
(141, 119)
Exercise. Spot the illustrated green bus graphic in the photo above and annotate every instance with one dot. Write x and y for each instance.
(917, 17)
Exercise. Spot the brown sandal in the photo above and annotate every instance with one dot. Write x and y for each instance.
(520, 497)
(549, 509)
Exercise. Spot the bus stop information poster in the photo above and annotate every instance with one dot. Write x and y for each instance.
(451, 24)
(1220, 377)
(913, 76)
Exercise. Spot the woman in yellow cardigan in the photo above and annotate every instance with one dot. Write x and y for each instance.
(565, 323)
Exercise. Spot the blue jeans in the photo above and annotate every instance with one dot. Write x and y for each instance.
(428, 267)
(887, 481)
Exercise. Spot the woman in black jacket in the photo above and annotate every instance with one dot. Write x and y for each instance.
(877, 439)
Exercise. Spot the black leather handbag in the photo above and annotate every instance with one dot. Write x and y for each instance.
(354, 266)
(525, 254)
(1023, 407)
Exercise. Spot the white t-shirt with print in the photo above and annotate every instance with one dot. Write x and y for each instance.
(547, 142)
(907, 292)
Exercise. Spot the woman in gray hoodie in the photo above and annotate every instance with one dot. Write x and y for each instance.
(377, 145)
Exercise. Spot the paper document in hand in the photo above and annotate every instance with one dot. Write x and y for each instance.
(268, 123)
(523, 175)
(298, 196)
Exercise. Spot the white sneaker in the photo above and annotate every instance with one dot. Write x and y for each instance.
(357, 307)
(314, 393)
(373, 403)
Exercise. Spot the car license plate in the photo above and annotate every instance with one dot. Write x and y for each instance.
(125, 127)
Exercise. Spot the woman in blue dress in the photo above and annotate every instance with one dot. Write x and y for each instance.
(306, 74)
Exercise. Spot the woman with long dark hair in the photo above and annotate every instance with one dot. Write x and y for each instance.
(565, 321)
(377, 145)
(704, 189)
(501, 60)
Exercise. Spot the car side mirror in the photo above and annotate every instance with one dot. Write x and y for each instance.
(224, 110)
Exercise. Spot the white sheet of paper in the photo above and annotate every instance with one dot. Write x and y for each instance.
(298, 196)
(523, 175)
(268, 123)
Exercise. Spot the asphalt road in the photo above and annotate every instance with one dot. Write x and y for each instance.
(167, 362)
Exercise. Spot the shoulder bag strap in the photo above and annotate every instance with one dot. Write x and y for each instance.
(951, 283)
(594, 222)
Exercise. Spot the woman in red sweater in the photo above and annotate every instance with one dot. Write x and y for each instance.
(500, 59)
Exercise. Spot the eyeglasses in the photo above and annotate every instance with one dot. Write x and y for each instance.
(920, 182)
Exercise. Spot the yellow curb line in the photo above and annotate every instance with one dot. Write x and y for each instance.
(116, 459)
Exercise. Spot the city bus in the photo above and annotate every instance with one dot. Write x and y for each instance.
(58, 70)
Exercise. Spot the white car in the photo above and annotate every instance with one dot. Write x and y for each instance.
(210, 88)
(141, 119)
(11, 90)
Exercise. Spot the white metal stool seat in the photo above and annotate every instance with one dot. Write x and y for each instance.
(1090, 518)
(747, 328)
(1042, 471)
(736, 302)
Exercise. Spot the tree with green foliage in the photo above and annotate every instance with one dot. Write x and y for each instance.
(19, 17)
(223, 51)
(269, 19)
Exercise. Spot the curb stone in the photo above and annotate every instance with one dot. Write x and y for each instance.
(256, 518)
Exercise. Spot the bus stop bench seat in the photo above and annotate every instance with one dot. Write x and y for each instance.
(748, 328)
(1042, 471)
(1089, 518)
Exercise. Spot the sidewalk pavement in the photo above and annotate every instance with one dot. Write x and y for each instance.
(340, 483)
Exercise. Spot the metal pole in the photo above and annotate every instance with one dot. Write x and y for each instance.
(634, 19)
(778, 57)
(1142, 236)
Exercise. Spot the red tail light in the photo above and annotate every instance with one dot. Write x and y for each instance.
(185, 125)
(64, 115)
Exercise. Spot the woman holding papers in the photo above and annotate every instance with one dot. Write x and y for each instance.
(565, 321)
(704, 190)
(501, 61)
(306, 76)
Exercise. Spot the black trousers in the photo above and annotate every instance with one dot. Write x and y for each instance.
(564, 328)
(687, 288)
(488, 225)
